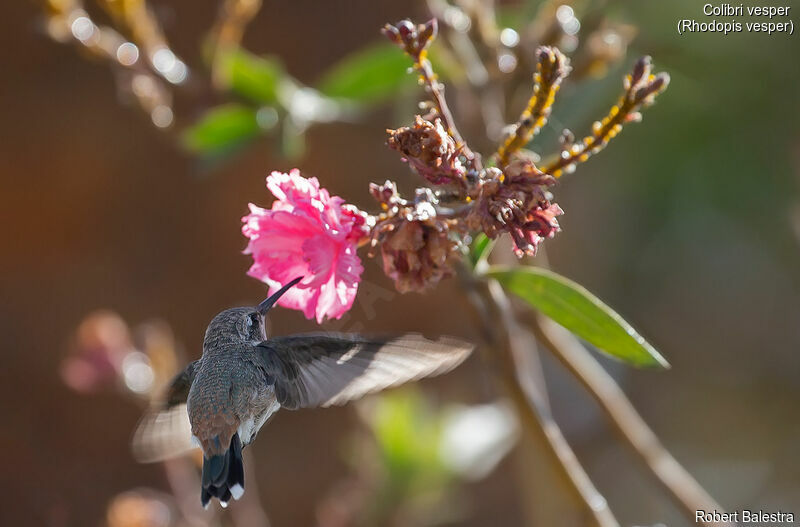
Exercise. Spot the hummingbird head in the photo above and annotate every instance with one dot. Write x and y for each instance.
(244, 324)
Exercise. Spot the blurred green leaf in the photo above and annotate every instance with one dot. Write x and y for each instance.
(480, 248)
(293, 140)
(253, 77)
(409, 436)
(512, 16)
(575, 308)
(222, 129)
(445, 64)
(369, 75)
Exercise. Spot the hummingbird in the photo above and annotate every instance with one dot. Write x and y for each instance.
(220, 401)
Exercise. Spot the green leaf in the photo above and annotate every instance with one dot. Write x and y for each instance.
(480, 248)
(369, 75)
(578, 310)
(253, 77)
(222, 129)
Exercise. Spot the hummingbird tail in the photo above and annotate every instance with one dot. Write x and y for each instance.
(223, 475)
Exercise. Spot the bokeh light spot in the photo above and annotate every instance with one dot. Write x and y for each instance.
(127, 54)
(509, 37)
(83, 29)
(162, 116)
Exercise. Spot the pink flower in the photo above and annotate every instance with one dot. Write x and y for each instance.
(307, 233)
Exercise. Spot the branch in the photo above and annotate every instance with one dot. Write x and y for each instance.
(551, 68)
(414, 40)
(595, 502)
(531, 405)
(641, 88)
(436, 89)
(227, 33)
(487, 93)
(684, 489)
(68, 21)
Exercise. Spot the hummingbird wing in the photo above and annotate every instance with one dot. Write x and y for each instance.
(164, 431)
(325, 369)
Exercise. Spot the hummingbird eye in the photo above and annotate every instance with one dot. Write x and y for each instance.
(252, 320)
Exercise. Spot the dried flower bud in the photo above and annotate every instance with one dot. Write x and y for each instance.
(648, 90)
(641, 70)
(516, 201)
(428, 148)
(416, 247)
(407, 29)
(428, 31)
(414, 39)
(392, 33)
(552, 65)
(523, 172)
(386, 194)
(541, 224)
(416, 254)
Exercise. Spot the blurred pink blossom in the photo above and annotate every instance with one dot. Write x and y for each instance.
(308, 233)
(101, 343)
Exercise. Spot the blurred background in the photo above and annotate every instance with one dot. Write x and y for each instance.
(687, 225)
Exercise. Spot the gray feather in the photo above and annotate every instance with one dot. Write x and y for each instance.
(162, 434)
(164, 431)
(331, 369)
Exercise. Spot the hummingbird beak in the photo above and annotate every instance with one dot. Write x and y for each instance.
(264, 306)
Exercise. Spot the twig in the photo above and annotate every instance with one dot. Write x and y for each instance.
(531, 406)
(641, 88)
(595, 502)
(67, 21)
(227, 33)
(685, 490)
(551, 68)
(138, 19)
(414, 41)
(436, 89)
(486, 92)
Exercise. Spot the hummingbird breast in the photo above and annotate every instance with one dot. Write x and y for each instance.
(249, 428)
(228, 395)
